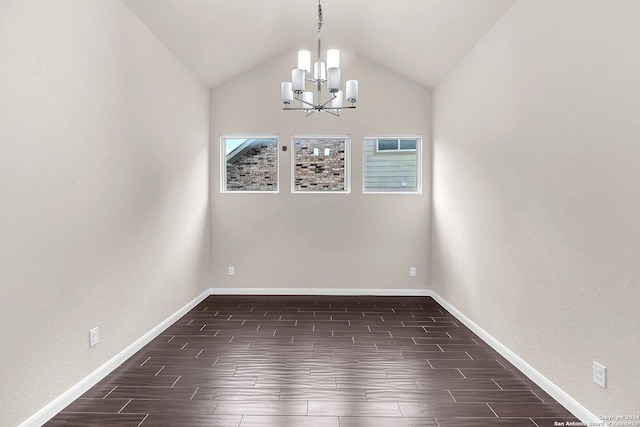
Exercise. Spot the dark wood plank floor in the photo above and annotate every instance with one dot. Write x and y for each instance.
(315, 361)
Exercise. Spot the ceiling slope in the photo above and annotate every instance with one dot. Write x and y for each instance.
(421, 40)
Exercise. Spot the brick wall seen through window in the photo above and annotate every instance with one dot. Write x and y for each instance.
(250, 164)
(320, 164)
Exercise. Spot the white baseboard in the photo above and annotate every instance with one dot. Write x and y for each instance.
(46, 413)
(319, 291)
(543, 382)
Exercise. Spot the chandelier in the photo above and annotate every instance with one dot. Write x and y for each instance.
(328, 74)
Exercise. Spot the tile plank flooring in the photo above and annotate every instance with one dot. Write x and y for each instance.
(315, 361)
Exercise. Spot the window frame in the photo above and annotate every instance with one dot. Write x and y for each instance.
(347, 163)
(223, 164)
(417, 151)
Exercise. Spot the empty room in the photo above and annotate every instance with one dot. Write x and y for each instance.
(320, 213)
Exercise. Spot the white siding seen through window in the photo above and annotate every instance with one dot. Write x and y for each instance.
(392, 165)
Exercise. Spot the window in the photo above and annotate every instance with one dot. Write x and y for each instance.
(320, 164)
(391, 165)
(396, 144)
(249, 164)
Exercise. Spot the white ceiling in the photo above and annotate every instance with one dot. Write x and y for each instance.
(419, 39)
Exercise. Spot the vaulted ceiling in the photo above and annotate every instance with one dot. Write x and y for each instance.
(421, 40)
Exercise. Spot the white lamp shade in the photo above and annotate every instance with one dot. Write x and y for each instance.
(307, 98)
(319, 71)
(297, 80)
(352, 90)
(337, 102)
(286, 92)
(304, 60)
(333, 58)
(333, 81)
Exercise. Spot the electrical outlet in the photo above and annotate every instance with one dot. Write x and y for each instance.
(94, 337)
(600, 374)
(412, 271)
(231, 270)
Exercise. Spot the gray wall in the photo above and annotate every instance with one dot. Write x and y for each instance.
(103, 187)
(536, 207)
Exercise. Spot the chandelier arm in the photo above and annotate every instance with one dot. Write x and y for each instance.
(328, 110)
(295, 109)
(334, 97)
(305, 102)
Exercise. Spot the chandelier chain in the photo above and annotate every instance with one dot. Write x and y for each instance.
(319, 18)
